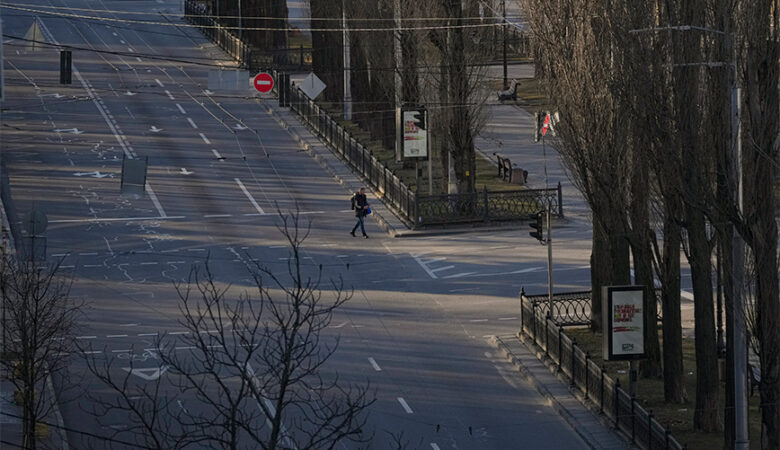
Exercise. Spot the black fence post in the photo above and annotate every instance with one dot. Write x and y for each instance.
(601, 390)
(573, 347)
(485, 193)
(650, 430)
(560, 348)
(633, 421)
(522, 322)
(617, 403)
(547, 335)
(667, 433)
(533, 319)
(560, 201)
(587, 375)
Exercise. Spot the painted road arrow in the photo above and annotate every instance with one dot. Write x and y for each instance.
(94, 174)
(68, 130)
(149, 373)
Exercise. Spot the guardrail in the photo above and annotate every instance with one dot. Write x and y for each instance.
(591, 379)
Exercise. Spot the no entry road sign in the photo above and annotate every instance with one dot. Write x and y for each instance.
(264, 82)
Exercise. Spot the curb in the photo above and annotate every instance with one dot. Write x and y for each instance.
(384, 224)
(561, 410)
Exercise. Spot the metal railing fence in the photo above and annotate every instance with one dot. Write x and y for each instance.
(381, 179)
(251, 58)
(195, 13)
(573, 308)
(591, 379)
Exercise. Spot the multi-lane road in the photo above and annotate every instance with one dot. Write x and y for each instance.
(219, 166)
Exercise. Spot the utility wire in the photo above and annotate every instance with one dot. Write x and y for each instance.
(166, 24)
(245, 17)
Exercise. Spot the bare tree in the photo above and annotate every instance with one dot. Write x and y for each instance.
(758, 59)
(38, 323)
(254, 372)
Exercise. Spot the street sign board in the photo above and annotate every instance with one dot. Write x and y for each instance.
(227, 80)
(312, 86)
(625, 334)
(134, 176)
(263, 82)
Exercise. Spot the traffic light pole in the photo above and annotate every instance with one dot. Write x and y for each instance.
(549, 257)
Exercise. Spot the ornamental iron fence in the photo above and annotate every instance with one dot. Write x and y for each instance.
(627, 415)
(572, 308)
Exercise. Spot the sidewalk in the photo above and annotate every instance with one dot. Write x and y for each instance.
(596, 433)
(509, 131)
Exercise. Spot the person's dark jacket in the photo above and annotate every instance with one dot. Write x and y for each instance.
(358, 202)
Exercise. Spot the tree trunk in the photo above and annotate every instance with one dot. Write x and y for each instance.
(674, 388)
(460, 129)
(327, 55)
(643, 266)
(707, 416)
(610, 258)
(724, 240)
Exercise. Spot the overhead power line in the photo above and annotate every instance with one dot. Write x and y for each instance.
(246, 17)
(168, 24)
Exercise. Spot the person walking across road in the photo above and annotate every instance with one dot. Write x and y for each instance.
(360, 205)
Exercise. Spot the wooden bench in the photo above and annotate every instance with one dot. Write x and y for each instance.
(509, 173)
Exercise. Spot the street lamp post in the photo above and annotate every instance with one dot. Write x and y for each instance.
(503, 7)
(738, 324)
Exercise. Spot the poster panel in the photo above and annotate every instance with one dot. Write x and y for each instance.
(624, 322)
(415, 139)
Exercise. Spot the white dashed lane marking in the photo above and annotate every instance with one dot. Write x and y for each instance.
(405, 406)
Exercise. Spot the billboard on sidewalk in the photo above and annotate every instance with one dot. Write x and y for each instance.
(625, 334)
(415, 133)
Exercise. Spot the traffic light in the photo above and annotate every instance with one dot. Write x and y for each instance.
(419, 119)
(537, 225)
